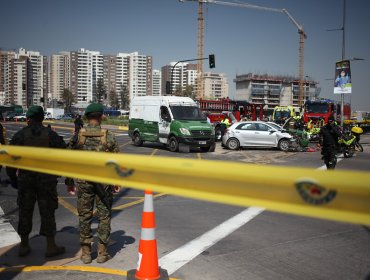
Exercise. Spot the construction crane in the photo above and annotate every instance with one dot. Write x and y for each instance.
(301, 32)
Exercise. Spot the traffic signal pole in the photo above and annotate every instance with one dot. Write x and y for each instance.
(212, 64)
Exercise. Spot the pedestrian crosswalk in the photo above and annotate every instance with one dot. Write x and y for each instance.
(8, 235)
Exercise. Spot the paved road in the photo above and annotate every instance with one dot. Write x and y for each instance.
(202, 240)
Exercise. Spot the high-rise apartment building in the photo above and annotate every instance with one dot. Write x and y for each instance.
(35, 76)
(215, 86)
(157, 75)
(140, 75)
(86, 70)
(59, 74)
(5, 58)
(181, 75)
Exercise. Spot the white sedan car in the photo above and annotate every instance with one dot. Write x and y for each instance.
(256, 134)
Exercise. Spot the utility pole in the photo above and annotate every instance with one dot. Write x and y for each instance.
(343, 57)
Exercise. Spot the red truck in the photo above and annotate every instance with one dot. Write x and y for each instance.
(314, 110)
(216, 110)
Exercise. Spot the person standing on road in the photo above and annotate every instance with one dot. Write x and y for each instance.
(78, 123)
(34, 186)
(329, 135)
(225, 123)
(93, 138)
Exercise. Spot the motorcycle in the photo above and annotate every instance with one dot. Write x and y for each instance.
(347, 144)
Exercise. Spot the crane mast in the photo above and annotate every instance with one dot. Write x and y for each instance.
(302, 37)
(200, 51)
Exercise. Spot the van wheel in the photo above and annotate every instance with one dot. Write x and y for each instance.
(218, 134)
(208, 149)
(137, 140)
(173, 144)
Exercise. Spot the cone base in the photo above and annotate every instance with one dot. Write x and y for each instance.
(163, 275)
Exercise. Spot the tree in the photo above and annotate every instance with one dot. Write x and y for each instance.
(68, 99)
(101, 91)
(113, 99)
(125, 97)
(189, 92)
(178, 91)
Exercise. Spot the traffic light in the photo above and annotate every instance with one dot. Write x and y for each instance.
(212, 63)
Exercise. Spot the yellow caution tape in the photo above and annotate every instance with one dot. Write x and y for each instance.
(336, 195)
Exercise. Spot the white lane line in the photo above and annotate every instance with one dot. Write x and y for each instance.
(181, 256)
(8, 236)
(339, 158)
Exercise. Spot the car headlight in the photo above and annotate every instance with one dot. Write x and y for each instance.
(184, 131)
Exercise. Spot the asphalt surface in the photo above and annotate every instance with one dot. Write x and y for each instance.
(270, 246)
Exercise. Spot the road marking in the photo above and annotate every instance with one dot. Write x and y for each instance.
(84, 269)
(324, 166)
(129, 142)
(8, 235)
(181, 256)
(67, 206)
(154, 152)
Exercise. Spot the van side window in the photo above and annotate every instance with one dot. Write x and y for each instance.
(165, 114)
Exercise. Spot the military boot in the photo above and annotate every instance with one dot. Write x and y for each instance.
(24, 247)
(52, 249)
(103, 255)
(86, 253)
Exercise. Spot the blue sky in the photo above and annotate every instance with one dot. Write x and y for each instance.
(243, 40)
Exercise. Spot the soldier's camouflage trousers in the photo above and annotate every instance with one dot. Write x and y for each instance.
(85, 206)
(42, 188)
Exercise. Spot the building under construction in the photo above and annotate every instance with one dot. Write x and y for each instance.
(273, 90)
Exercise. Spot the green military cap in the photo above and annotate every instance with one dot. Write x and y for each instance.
(35, 111)
(94, 107)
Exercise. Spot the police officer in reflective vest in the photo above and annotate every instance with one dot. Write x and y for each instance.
(93, 138)
(34, 186)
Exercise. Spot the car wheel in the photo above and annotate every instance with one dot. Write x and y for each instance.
(284, 145)
(233, 144)
(137, 140)
(173, 144)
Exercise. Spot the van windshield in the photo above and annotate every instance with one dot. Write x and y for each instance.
(187, 113)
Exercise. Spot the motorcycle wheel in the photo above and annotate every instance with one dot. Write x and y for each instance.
(359, 147)
(348, 152)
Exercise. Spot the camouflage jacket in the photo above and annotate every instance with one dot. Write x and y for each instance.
(92, 138)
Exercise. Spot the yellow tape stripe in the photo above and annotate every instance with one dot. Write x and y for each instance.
(271, 187)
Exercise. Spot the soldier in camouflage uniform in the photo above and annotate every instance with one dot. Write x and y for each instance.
(93, 138)
(35, 186)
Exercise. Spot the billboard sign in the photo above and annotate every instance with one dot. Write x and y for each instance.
(342, 80)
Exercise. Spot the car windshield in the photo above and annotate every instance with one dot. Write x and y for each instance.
(187, 113)
(281, 114)
(274, 126)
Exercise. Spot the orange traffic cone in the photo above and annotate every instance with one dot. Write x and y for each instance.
(148, 268)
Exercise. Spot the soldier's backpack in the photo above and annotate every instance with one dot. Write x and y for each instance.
(92, 140)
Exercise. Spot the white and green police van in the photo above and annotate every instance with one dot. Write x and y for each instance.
(174, 121)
